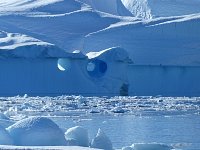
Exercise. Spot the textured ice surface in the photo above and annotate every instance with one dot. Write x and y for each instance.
(36, 131)
(148, 9)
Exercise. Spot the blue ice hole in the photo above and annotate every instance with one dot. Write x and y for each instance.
(96, 68)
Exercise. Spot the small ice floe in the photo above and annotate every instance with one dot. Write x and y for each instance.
(118, 110)
(36, 131)
(94, 110)
(77, 136)
(5, 138)
(148, 146)
(101, 141)
(127, 148)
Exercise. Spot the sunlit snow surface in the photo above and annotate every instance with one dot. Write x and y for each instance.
(170, 120)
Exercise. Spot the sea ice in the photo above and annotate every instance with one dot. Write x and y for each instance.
(36, 131)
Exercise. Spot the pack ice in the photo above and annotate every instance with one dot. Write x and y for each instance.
(43, 133)
(99, 47)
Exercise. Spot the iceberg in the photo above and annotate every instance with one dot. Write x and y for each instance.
(99, 47)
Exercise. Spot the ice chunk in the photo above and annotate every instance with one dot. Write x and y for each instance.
(36, 131)
(5, 138)
(101, 141)
(127, 148)
(151, 146)
(77, 136)
(118, 110)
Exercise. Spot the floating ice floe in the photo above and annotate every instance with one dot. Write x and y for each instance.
(77, 136)
(118, 110)
(101, 141)
(95, 110)
(36, 131)
(148, 146)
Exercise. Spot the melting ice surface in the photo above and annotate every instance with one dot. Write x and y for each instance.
(173, 121)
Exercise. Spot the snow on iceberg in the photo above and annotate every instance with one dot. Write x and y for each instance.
(111, 54)
(19, 45)
(65, 30)
(101, 141)
(77, 136)
(114, 7)
(148, 9)
(36, 131)
(139, 8)
(49, 6)
(165, 41)
(5, 138)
